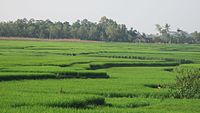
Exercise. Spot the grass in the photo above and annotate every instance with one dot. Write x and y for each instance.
(50, 100)
(34, 77)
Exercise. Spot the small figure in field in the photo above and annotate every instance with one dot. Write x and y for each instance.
(159, 86)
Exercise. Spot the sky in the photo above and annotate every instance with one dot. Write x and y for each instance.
(139, 14)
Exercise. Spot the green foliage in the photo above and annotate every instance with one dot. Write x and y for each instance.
(105, 30)
(186, 87)
(187, 82)
(196, 36)
(188, 70)
(179, 36)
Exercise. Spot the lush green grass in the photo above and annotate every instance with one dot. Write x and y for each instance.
(122, 105)
(60, 99)
(133, 73)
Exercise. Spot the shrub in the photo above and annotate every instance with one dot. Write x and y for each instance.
(186, 87)
(187, 70)
(187, 83)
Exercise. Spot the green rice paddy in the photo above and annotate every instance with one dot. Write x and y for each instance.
(85, 77)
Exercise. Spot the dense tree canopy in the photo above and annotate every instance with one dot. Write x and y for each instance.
(105, 30)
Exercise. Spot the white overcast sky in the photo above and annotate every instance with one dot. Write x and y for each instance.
(139, 14)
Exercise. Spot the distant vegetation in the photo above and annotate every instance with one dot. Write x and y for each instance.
(105, 30)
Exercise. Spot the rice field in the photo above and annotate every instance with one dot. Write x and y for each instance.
(93, 77)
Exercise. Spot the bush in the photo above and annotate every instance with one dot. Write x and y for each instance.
(187, 83)
(188, 70)
(186, 87)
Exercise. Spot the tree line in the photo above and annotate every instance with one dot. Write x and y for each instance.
(105, 30)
